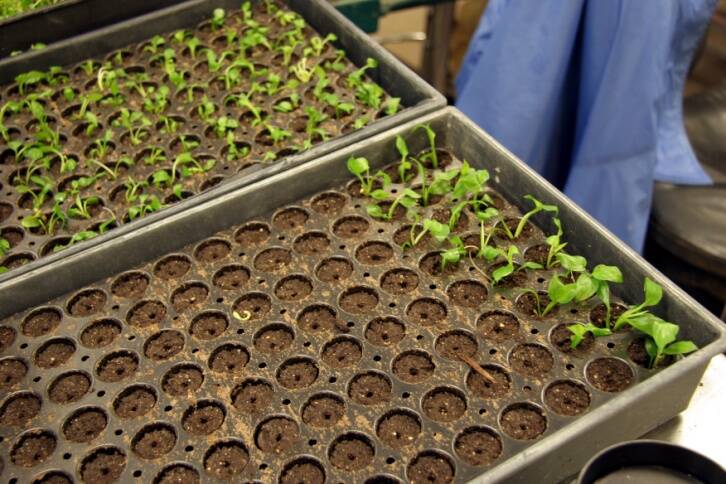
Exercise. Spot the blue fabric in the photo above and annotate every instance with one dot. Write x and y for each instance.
(589, 93)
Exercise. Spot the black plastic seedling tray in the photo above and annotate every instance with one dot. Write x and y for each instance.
(417, 98)
(67, 19)
(149, 372)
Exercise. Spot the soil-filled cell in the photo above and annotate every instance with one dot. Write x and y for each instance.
(531, 360)
(414, 366)
(293, 288)
(154, 441)
(468, 294)
(426, 311)
(561, 338)
(328, 203)
(323, 410)
(130, 285)
(134, 401)
(399, 281)
(164, 345)
(182, 380)
(276, 435)
(351, 452)
(100, 333)
(498, 326)
(252, 396)
(444, 404)
(478, 446)
(19, 409)
(105, 464)
(609, 374)
(54, 353)
(305, 470)
(117, 366)
(430, 467)
(370, 388)
(334, 269)
(350, 227)
(69, 387)
(273, 338)
(485, 388)
(208, 325)
(87, 302)
(454, 345)
(358, 300)
(374, 253)
(189, 296)
(33, 448)
(226, 459)
(12, 372)
(85, 425)
(212, 250)
(256, 304)
(342, 352)
(178, 474)
(252, 234)
(231, 277)
(385, 331)
(523, 421)
(229, 358)
(203, 418)
(41, 322)
(146, 313)
(172, 267)
(297, 373)
(317, 318)
(311, 243)
(399, 428)
(567, 398)
(273, 259)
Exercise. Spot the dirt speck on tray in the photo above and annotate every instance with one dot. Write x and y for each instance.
(134, 401)
(323, 410)
(226, 459)
(153, 441)
(33, 448)
(252, 396)
(351, 452)
(567, 398)
(105, 464)
(523, 421)
(305, 470)
(276, 435)
(370, 388)
(609, 374)
(414, 366)
(444, 404)
(478, 446)
(182, 379)
(430, 467)
(399, 428)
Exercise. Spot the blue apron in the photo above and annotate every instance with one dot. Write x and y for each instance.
(589, 93)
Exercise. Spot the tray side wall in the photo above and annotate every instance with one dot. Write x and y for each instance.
(391, 74)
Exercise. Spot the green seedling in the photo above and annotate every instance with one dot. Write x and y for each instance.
(538, 207)
(355, 78)
(169, 125)
(579, 331)
(92, 123)
(147, 204)
(392, 106)
(155, 156)
(4, 247)
(235, 151)
(277, 134)
(189, 143)
(29, 79)
(359, 167)
(652, 294)
(187, 166)
(453, 255)
(439, 231)
(440, 185)
(407, 199)
(76, 238)
(404, 166)
(341, 108)
(206, 109)
(431, 136)
(134, 189)
(317, 45)
(217, 21)
(156, 43)
(510, 267)
(81, 207)
(224, 126)
(158, 102)
(302, 71)
(555, 245)
(102, 146)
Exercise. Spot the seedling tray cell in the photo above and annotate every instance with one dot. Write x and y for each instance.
(174, 117)
(279, 333)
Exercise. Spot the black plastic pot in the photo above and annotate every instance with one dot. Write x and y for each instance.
(647, 453)
(68, 18)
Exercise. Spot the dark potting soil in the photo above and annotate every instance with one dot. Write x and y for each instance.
(523, 422)
(598, 314)
(54, 477)
(323, 411)
(342, 353)
(639, 355)
(54, 353)
(231, 277)
(117, 366)
(498, 326)
(531, 305)
(531, 360)
(69, 387)
(293, 288)
(399, 281)
(303, 470)
(609, 374)
(274, 338)
(373, 253)
(33, 449)
(537, 253)
(276, 435)
(7, 337)
(135, 401)
(100, 333)
(189, 296)
(229, 358)
(252, 234)
(163, 345)
(153, 441)
(203, 418)
(399, 428)
(560, 338)
(85, 425)
(312, 243)
(19, 409)
(426, 311)
(252, 396)
(256, 304)
(146, 313)
(431, 265)
(334, 269)
(41, 322)
(272, 260)
(297, 373)
(484, 388)
(370, 388)
(385, 331)
(290, 218)
(178, 474)
(470, 294)
(455, 344)
(226, 460)
(172, 267)
(182, 380)
(130, 285)
(328, 203)
(478, 446)
(317, 318)
(413, 366)
(351, 452)
(567, 398)
(12, 371)
(444, 405)
(358, 300)
(431, 468)
(212, 250)
(87, 303)
(208, 325)
(350, 227)
(103, 465)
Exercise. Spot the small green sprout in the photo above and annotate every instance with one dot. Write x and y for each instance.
(246, 315)
(510, 267)
(407, 199)
(538, 207)
(217, 21)
(431, 136)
